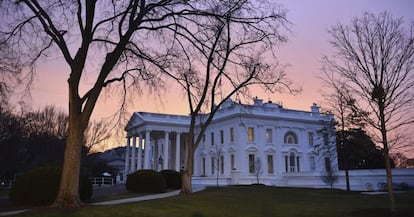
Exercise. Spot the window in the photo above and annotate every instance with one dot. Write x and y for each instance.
(204, 166)
(292, 163)
(250, 134)
(270, 164)
(212, 166)
(328, 164)
(251, 163)
(221, 137)
(232, 135)
(326, 139)
(312, 163)
(222, 164)
(204, 140)
(269, 138)
(310, 137)
(232, 162)
(212, 138)
(290, 138)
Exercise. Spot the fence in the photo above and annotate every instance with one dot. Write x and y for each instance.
(7, 184)
(101, 181)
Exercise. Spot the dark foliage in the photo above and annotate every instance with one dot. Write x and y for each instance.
(363, 153)
(172, 178)
(146, 181)
(40, 187)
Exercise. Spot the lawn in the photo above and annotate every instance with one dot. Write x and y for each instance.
(250, 201)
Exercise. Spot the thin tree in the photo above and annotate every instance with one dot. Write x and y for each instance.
(217, 154)
(327, 152)
(258, 169)
(375, 56)
(126, 43)
(343, 105)
(232, 52)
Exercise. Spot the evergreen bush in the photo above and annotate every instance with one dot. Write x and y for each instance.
(146, 181)
(40, 187)
(172, 178)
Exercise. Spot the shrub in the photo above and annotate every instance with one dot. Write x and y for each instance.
(146, 181)
(172, 178)
(40, 187)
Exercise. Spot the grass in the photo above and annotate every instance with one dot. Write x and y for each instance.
(249, 201)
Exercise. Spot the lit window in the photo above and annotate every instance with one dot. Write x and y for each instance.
(269, 137)
(251, 163)
(270, 164)
(232, 135)
(221, 137)
(250, 134)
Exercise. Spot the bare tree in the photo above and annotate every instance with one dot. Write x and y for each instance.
(344, 106)
(375, 57)
(126, 43)
(326, 149)
(231, 52)
(96, 133)
(217, 155)
(258, 169)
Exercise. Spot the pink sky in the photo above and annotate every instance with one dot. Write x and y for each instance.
(308, 42)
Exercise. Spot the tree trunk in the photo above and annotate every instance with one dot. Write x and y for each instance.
(387, 158)
(68, 195)
(186, 187)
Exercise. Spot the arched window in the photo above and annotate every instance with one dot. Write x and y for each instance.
(291, 138)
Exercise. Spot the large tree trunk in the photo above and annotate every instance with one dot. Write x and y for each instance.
(186, 187)
(68, 195)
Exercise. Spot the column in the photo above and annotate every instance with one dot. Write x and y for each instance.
(146, 149)
(166, 144)
(139, 163)
(126, 158)
(177, 151)
(133, 157)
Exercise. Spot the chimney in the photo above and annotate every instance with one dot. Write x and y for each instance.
(257, 101)
(315, 109)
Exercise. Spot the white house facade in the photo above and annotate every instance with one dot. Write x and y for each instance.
(243, 143)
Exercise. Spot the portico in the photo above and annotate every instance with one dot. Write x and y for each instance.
(151, 145)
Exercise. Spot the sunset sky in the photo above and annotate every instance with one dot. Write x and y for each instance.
(308, 42)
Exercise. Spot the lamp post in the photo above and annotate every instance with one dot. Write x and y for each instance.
(160, 162)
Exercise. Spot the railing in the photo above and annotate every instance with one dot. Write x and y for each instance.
(7, 184)
(101, 181)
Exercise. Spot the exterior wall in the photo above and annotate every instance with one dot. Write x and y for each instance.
(298, 158)
(262, 118)
(360, 180)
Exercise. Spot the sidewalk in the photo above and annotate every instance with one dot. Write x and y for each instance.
(146, 197)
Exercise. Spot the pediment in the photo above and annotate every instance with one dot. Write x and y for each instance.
(135, 121)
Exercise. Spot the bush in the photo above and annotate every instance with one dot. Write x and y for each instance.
(146, 181)
(172, 178)
(40, 187)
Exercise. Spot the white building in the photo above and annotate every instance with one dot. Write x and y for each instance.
(243, 142)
